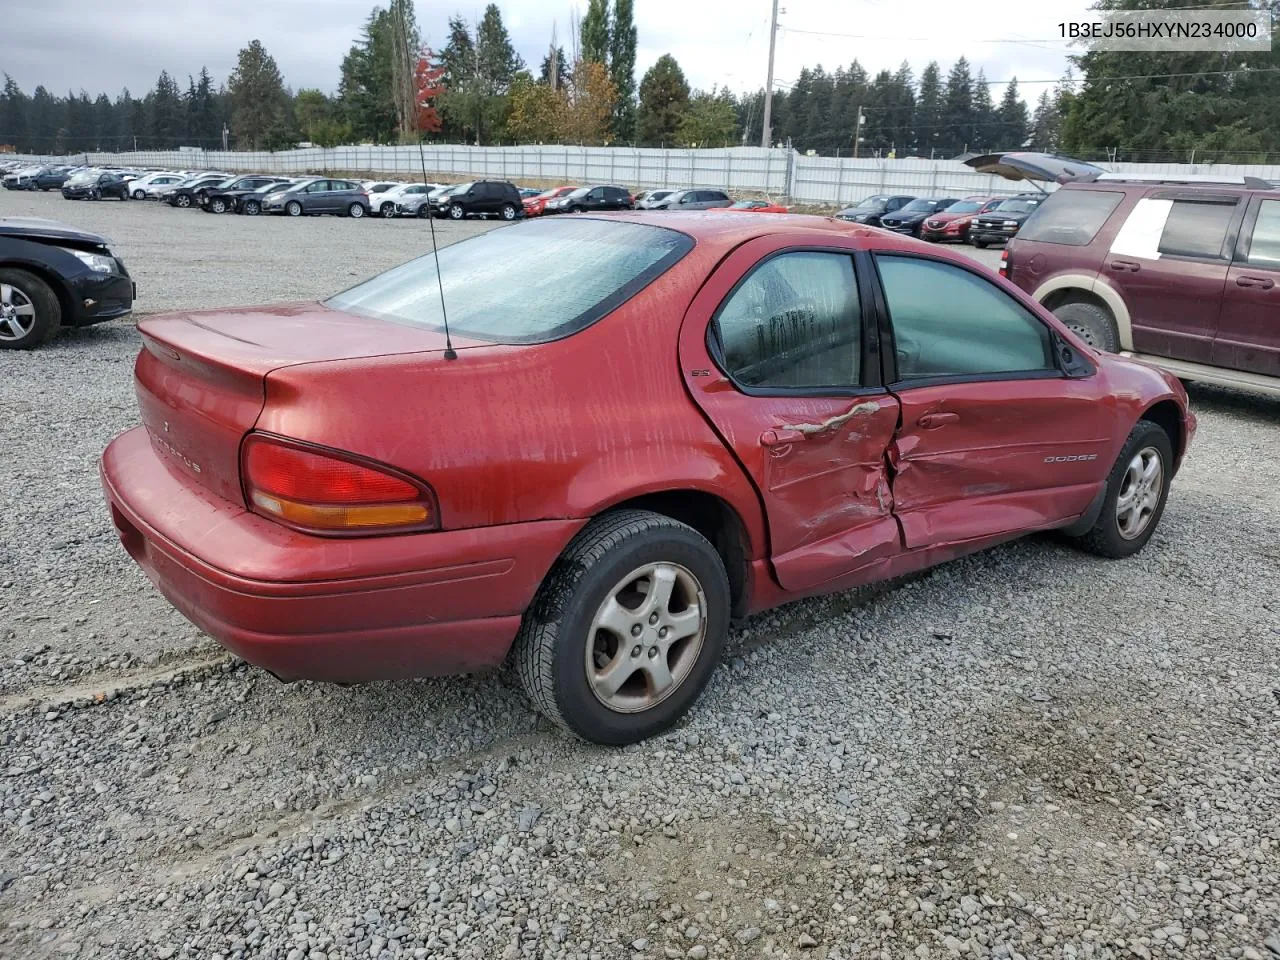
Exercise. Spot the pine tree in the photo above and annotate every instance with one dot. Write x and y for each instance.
(1012, 116)
(957, 108)
(258, 99)
(14, 108)
(561, 68)
(928, 115)
(986, 125)
(1046, 124)
(622, 69)
(595, 32)
(104, 120)
(664, 95)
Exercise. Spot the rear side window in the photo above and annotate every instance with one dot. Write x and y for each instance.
(1071, 217)
(794, 322)
(538, 281)
(1196, 229)
(948, 322)
(1264, 245)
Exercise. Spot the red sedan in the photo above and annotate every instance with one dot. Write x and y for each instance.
(753, 206)
(537, 206)
(953, 223)
(642, 426)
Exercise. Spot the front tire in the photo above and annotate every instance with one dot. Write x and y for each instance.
(980, 244)
(456, 212)
(139, 195)
(182, 200)
(1091, 323)
(29, 310)
(626, 629)
(251, 208)
(293, 208)
(1137, 491)
(217, 205)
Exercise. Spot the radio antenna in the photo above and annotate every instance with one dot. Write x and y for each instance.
(449, 352)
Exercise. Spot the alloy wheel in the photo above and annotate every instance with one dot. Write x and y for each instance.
(646, 636)
(1141, 488)
(17, 313)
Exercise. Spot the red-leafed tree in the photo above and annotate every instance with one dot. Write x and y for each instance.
(429, 84)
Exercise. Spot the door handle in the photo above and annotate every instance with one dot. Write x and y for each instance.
(1125, 265)
(1265, 283)
(931, 421)
(783, 437)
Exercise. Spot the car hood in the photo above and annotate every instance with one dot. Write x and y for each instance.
(995, 217)
(903, 217)
(35, 228)
(948, 217)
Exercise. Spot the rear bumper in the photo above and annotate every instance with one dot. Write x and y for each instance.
(304, 607)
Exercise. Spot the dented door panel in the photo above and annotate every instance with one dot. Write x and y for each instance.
(981, 459)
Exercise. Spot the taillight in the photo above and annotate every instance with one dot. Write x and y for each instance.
(1004, 263)
(318, 490)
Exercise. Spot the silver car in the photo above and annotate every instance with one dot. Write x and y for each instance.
(652, 198)
(692, 200)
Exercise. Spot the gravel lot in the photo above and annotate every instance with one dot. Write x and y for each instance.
(1028, 753)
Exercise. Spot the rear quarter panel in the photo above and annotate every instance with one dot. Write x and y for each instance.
(506, 434)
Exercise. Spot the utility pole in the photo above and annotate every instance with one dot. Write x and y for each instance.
(766, 132)
(857, 131)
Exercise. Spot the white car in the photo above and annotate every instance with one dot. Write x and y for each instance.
(384, 204)
(150, 186)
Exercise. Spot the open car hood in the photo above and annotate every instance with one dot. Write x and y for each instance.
(1046, 167)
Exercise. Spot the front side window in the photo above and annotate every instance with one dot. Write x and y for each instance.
(1196, 229)
(1071, 217)
(949, 322)
(794, 322)
(531, 283)
(1264, 245)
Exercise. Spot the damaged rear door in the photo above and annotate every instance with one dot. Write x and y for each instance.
(780, 350)
(998, 436)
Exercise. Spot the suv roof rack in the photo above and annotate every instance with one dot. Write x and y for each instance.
(1253, 183)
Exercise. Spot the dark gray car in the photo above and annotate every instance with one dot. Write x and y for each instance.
(319, 195)
(693, 200)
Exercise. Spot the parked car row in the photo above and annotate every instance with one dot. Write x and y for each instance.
(980, 220)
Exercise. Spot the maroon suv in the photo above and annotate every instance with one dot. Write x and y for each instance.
(1179, 273)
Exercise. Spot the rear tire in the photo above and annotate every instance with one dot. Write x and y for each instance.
(355, 211)
(564, 653)
(29, 310)
(1091, 323)
(424, 211)
(508, 212)
(1135, 497)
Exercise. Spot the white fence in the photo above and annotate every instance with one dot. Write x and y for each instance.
(777, 173)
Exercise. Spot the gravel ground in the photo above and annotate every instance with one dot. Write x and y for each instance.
(1028, 753)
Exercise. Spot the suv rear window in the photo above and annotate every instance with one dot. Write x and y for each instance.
(532, 283)
(1071, 217)
(1196, 229)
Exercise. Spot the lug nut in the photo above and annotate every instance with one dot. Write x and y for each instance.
(653, 618)
(664, 631)
(653, 652)
(636, 651)
(636, 630)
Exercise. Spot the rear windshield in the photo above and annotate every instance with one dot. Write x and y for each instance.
(538, 281)
(1070, 217)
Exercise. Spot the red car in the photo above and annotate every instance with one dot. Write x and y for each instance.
(953, 223)
(537, 206)
(753, 206)
(642, 427)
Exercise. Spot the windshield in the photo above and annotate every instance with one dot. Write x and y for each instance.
(1017, 205)
(871, 203)
(920, 206)
(965, 206)
(268, 187)
(459, 189)
(548, 194)
(531, 283)
(580, 192)
(659, 194)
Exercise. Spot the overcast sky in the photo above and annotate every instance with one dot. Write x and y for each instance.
(68, 44)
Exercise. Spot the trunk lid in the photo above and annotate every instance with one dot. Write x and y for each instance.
(201, 376)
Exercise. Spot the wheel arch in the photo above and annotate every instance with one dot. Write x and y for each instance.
(1167, 415)
(1083, 287)
(66, 302)
(712, 516)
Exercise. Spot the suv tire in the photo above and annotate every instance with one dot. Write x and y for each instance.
(562, 642)
(1137, 491)
(456, 212)
(508, 212)
(980, 244)
(1091, 323)
(26, 289)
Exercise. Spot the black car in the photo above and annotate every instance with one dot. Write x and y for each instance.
(188, 194)
(870, 210)
(586, 199)
(96, 188)
(1004, 221)
(484, 198)
(51, 178)
(226, 199)
(910, 218)
(53, 276)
